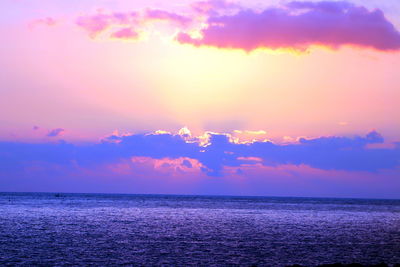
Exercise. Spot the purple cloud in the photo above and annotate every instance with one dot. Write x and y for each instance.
(220, 152)
(55, 132)
(299, 25)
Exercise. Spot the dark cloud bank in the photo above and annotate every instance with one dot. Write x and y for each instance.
(326, 153)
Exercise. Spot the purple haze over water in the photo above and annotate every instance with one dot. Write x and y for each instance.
(82, 229)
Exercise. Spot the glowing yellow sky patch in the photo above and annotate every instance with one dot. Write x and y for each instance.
(93, 87)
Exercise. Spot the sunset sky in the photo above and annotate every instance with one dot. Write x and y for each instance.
(276, 98)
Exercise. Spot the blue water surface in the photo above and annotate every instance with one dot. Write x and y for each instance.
(154, 230)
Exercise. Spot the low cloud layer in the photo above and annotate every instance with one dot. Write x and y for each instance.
(214, 152)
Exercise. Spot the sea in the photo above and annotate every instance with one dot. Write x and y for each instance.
(49, 229)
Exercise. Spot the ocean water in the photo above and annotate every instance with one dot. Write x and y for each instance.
(154, 230)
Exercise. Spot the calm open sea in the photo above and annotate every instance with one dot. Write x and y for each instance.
(148, 230)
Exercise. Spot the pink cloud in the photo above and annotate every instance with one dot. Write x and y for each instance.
(173, 166)
(94, 24)
(157, 14)
(98, 23)
(48, 21)
(212, 6)
(125, 33)
(296, 25)
(299, 25)
(122, 25)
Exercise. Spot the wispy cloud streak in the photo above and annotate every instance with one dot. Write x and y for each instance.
(55, 132)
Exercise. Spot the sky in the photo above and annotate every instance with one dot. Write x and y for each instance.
(269, 98)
